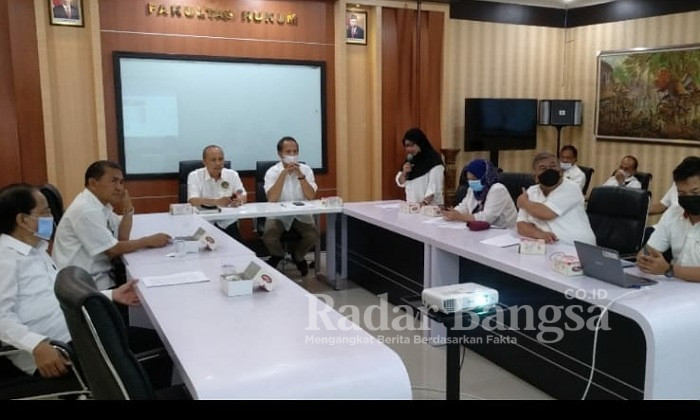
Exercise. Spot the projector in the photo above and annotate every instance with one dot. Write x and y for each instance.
(459, 297)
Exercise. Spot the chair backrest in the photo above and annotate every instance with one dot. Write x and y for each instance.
(589, 174)
(261, 168)
(100, 340)
(53, 196)
(187, 166)
(644, 179)
(618, 217)
(515, 182)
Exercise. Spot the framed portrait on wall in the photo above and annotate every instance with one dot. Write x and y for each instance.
(66, 12)
(649, 95)
(356, 27)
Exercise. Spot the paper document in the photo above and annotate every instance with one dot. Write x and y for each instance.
(446, 224)
(388, 206)
(505, 240)
(173, 279)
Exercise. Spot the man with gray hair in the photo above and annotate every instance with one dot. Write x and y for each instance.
(553, 209)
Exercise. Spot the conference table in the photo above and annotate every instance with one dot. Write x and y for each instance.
(283, 344)
(647, 348)
(288, 208)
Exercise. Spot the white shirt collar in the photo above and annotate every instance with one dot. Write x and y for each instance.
(92, 198)
(19, 246)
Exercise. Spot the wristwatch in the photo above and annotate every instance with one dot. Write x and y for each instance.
(301, 177)
(669, 272)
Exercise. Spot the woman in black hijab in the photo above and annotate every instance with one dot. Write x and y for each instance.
(423, 173)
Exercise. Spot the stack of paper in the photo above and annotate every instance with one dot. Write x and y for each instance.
(172, 279)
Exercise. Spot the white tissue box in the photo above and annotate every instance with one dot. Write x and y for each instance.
(182, 208)
(568, 265)
(532, 246)
(405, 207)
(432, 211)
(333, 201)
(234, 285)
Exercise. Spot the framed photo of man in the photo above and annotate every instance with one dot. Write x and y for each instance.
(66, 12)
(356, 27)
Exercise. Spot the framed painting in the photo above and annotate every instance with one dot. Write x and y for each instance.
(649, 95)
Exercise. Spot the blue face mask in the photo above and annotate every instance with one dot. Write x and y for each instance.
(45, 227)
(475, 185)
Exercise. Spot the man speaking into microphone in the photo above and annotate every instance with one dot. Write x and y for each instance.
(423, 172)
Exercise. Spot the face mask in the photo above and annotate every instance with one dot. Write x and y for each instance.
(475, 185)
(45, 227)
(625, 174)
(290, 159)
(690, 203)
(549, 178)
(566, 166)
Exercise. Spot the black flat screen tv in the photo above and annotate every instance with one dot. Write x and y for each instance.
(500, 124)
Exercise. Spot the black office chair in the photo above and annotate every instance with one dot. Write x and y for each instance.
(644, 179)
(289, 237)
(618, 217)
(99, 336)
(53, 197)
(589, 174)
(515, 182)
(187, 166)
(15, 384)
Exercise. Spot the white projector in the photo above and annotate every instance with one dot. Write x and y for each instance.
(459, 297)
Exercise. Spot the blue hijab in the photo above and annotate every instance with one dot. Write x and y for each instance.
(485, 172)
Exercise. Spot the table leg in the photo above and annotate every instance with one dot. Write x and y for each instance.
(452, 369)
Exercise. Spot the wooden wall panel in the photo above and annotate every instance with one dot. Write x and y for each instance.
(126, 27)
(411, 94)
(23, 157)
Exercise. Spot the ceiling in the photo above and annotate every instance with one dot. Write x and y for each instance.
(560, 4)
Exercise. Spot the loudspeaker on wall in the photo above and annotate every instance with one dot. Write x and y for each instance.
(560, 112)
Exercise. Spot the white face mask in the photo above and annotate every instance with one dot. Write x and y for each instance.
(290, 159)
(565, 165)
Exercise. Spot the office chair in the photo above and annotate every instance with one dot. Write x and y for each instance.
(16, 384)
(644, 179)
(99, 336)
(53, 197)
(589, 174)
(187, 166)
(618, 217)
(288, 237)
(515, 182)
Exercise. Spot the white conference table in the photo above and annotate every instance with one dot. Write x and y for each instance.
(284, 344)
(287, 208)
(668, 313)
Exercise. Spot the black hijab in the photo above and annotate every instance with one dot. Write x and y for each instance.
(426, 159)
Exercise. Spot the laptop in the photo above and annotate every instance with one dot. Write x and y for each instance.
(605, 264)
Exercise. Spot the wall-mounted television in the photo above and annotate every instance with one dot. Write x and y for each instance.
(500, 124)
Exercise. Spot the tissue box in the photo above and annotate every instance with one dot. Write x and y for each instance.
(405, 207)
(182, 208)
(234, 285)
(567, 265)
(333, 201)
(432, 211)
(532, 246)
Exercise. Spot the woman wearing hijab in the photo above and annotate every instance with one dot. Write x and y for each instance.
(422, 174)
(487, 200)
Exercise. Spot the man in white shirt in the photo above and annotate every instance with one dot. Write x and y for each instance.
(553, 209)
(30, 315)
(215, 185)
(678, 229)
(90, 234)
(567, 159)
(624, 175)
(289, 180)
